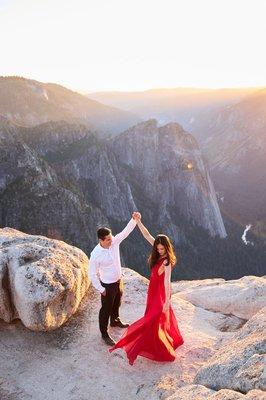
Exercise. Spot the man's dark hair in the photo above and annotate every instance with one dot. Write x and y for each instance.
(102, 232)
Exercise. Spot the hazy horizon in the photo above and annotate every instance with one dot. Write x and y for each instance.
(179, 87)
(86, 91)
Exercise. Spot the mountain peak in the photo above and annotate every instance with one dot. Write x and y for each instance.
(149, 123)
(179, 135)
(174, 127)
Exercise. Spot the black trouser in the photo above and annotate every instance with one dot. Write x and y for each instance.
(110, 304)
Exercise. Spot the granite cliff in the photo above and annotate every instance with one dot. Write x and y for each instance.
(61, 180)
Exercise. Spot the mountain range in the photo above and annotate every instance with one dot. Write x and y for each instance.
(182, 105)
(29, 102)
(63, 179)
(230, 126)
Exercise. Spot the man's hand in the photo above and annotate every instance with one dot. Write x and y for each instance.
(136, 216)
(104, 292)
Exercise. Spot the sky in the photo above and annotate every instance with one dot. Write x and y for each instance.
(98, 45)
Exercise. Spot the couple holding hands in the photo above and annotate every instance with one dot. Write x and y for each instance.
(156, 335)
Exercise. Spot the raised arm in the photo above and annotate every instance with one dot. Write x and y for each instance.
(145, 232)
(117, 239)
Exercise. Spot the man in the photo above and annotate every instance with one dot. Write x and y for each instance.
(105, 262)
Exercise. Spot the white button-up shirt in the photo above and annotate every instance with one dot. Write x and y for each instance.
(105, 264)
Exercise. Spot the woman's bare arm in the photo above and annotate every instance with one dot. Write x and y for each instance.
(145, 232)
(167, 285)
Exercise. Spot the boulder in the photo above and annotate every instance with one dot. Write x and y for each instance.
(42, 280)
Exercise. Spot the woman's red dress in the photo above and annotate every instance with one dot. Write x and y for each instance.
(156, 334)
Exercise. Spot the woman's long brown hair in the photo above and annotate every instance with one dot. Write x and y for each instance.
(154, 256)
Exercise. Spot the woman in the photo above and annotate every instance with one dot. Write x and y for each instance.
(156, 334)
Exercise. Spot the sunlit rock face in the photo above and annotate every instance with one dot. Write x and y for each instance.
(42, 281)
(169, 167)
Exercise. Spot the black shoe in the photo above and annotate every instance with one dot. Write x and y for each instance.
(108, 340)
(119, 323)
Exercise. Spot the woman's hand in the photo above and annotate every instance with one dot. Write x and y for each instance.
(166, 306)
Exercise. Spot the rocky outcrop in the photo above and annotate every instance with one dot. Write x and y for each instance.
(242, 297)
(240, 362)
(199, 392)
(221, 358)
(42, 281)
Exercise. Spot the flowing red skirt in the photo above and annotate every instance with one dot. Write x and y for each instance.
(156, 335)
